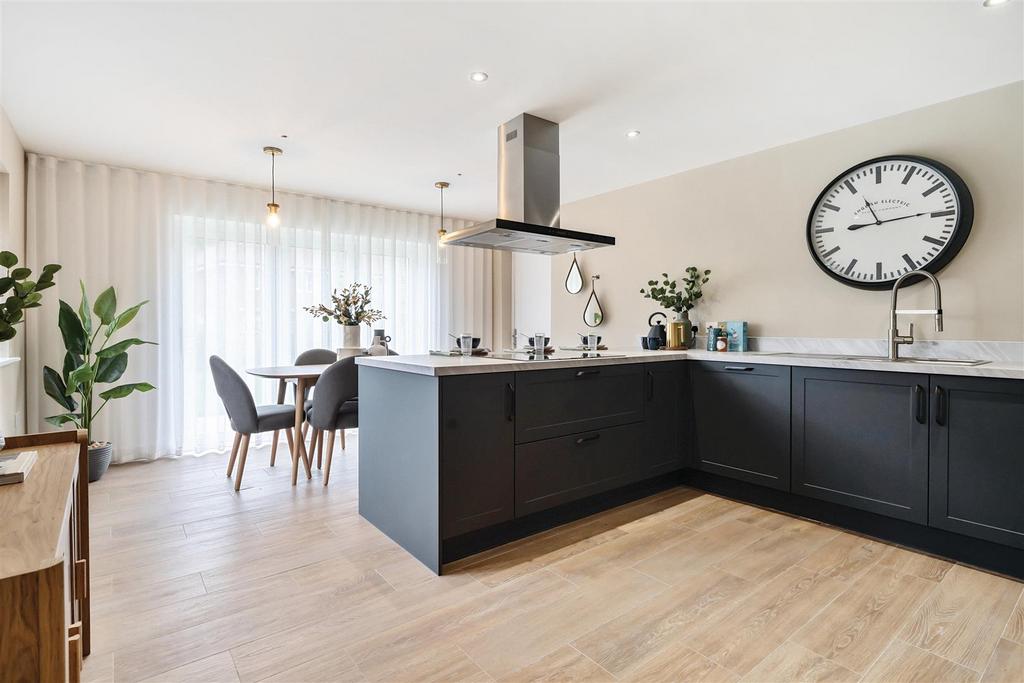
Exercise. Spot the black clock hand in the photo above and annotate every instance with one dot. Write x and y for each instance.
(873, 214)
(858, 226)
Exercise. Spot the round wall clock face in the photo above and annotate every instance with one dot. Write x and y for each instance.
(888, 216)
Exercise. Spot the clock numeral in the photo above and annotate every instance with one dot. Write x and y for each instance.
(939, 242)
(878, 175)
(850, 187)
(932, 188)
(878, 270)
(830, 252)
(910, 174)
(853, 262)
(822, 231)
(940, 214)
(910, 262)
(831, 207)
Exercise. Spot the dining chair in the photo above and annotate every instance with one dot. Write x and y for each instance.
(309, 357)
(246, 417)
(335, 404)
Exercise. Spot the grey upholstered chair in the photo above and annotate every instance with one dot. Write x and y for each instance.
(335, 405)
(311, 357)
(246, 417)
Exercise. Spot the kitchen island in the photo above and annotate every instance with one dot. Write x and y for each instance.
(458, 454)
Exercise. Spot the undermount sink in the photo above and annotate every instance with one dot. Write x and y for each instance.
(842, 356)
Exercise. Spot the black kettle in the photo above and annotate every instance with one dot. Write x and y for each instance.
(657, 335)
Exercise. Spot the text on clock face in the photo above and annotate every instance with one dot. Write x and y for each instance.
(884, 219)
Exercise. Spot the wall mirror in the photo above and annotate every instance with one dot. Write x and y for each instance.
(593, 315)
(574, 280)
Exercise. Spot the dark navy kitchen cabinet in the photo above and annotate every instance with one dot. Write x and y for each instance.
(977, 458)
(741, 416)
(666, 421)
(477, 456)
(860, 438)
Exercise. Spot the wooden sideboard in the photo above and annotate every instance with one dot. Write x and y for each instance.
(44, 561)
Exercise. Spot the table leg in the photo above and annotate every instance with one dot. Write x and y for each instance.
(299, 450)
(281, 388)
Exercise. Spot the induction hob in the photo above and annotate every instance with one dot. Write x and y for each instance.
(531, 357)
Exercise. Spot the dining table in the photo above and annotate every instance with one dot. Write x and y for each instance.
(303, 377)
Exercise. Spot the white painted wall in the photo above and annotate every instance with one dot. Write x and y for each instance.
(532, 293)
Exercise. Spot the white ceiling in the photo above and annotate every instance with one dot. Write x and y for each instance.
(375, 98)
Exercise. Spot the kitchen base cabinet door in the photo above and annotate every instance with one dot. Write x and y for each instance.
(665, 421)
(977, 458)
(741, 421)
(568, 468)
(477, 452)
(860, 438)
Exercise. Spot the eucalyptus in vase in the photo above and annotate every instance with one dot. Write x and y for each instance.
(679, 300)
(350, 308)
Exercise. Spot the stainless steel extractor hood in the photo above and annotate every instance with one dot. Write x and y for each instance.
(528, 196)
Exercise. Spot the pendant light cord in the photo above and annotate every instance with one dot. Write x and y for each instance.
(273, 197)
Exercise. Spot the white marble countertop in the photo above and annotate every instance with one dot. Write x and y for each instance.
(458, 365)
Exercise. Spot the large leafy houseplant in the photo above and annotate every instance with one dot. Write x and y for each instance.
(20, 292)
(91, 358)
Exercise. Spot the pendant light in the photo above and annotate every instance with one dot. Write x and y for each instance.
(273, 218)
(442, 250)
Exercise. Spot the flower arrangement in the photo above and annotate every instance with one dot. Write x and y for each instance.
(351, 306)
(674, 298)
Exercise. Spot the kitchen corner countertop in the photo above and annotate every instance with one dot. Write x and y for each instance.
(437, 366)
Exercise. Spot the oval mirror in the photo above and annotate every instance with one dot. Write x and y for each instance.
(574, 280)
(593, 315)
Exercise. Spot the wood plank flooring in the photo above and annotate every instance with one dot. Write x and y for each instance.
(194, 582)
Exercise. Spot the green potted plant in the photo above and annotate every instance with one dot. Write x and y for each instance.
(91, 358)
(21, 294)
(350, 308)
(679, 300)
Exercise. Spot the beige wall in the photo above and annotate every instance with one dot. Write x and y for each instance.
(12, 238)
(745, 219)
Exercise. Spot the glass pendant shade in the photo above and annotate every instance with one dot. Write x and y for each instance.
(273, 218)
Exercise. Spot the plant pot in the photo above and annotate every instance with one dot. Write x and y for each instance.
(350, 336)
(99, 460)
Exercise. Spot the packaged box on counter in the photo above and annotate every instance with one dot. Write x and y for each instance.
(736, 330)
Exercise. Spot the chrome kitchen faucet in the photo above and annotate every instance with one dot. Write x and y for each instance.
(895, 338)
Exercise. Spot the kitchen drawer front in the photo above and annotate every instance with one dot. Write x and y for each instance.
(552, 403)
(567, 468)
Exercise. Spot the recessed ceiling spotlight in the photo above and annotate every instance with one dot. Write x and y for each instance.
(993, 3)
(478, 76)
(632, 133)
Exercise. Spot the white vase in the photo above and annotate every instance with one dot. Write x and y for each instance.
(350, 338)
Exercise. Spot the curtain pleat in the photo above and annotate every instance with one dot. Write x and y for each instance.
(220, 282)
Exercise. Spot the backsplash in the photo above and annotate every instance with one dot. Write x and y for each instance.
(994, 351)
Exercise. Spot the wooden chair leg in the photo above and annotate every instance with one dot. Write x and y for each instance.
(234, 452)
(273, 447)
(241, 461)
(330, 452)
(291, 441)
(320, 450)
(342, 439)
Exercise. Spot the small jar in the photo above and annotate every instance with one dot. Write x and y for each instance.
(722, 343)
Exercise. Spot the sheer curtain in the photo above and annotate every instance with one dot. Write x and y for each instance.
(220, 282)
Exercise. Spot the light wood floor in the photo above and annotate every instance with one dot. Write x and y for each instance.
(193, 582)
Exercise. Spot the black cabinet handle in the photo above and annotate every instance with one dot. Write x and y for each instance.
(650, 385)
(940, 406)
(510, 402)
(921, 411)
(584, 439)
(738, 368)
(584, 373)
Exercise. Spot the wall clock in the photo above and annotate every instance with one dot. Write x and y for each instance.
(887, 216)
